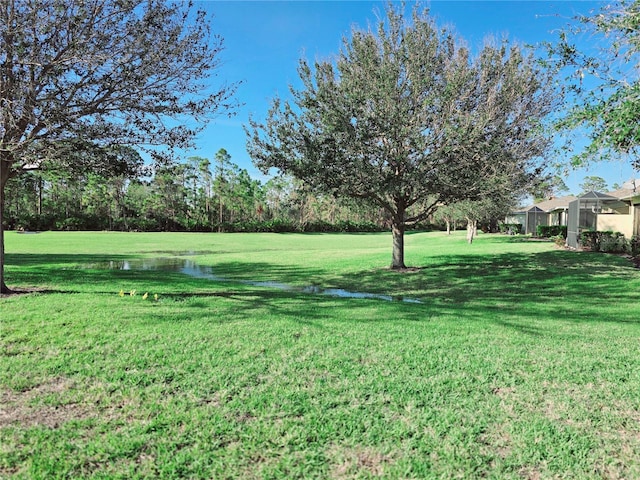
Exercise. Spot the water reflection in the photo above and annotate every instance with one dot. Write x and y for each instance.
(174, 265)
(189, 267)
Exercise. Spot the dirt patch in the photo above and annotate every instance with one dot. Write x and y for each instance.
(406, 269)
(530, 473)
(22, 408)
(496, 440)
(22, 291)
(504, 392)
(353, 462)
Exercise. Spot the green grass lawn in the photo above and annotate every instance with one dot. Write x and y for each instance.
(522, 361)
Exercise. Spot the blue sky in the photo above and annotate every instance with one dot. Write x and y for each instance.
(264, 41)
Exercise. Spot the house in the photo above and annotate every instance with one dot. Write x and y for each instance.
(548, 212)
(617, 211)
(556, 209)
(623, 217)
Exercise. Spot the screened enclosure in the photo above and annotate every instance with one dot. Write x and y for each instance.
(583, 214)
(534, 216)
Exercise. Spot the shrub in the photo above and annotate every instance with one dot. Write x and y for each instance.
(510, 228)
(634, 245)
(35, 222)
(143, 224)
(613, 243)
(559, 240)
(82, 222)
(606, 242)
(420, 226)
(320, 226)
(547, 231)
(590, 240)
(283, 225)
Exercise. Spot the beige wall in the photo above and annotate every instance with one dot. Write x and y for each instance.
(616, 223)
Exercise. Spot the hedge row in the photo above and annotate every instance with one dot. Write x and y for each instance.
(146, 224)
(609, 242)
(548, 231)
(42, 223)
(510, 228)
(282, 226)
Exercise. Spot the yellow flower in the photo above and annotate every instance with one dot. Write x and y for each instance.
(144, 297)
(155, 297)
(132, 293)
(121, 293)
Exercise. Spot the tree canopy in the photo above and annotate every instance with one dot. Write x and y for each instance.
(131, 72)
(547, 187)
(603, 81)
(593, 183)
(407, 119)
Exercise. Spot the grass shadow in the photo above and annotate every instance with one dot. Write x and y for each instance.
(554, 284)
(505, 287)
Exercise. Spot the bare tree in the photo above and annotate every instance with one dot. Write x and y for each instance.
(131, 72)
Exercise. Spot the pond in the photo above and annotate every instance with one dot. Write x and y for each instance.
(190, 268)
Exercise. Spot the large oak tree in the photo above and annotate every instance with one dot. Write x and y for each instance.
(407, 119)
(107, 72)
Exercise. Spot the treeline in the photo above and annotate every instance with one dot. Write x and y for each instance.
(196, 195)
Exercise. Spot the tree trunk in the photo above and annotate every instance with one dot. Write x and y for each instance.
(397, 228)
(448, 227)
(40, 187)
(472, 228)
(4, 177)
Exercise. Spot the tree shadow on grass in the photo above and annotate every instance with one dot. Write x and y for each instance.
(69, 267)
(71, 274)
(507, 289)
(553, 285)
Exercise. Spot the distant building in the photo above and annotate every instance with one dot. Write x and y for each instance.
(616, 211)
(548, 212)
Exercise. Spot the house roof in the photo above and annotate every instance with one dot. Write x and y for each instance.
(552, 204)
(633, 184)
(560, 203)
(629, 190)
(597, 196)
(624, 193)
(600, 199)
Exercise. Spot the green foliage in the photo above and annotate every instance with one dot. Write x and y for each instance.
(148, 65)
(547, 231)
(559, 240)
(406, 119)
(282, 226)
(548, 187)
(32, 222)
(610, 109)
(634, 246)
(178, 197)
(613, 243)
(606, 242)
(594, 183)
(590, 240)
(511, 228)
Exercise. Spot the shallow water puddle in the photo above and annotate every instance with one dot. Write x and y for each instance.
(192, 269)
